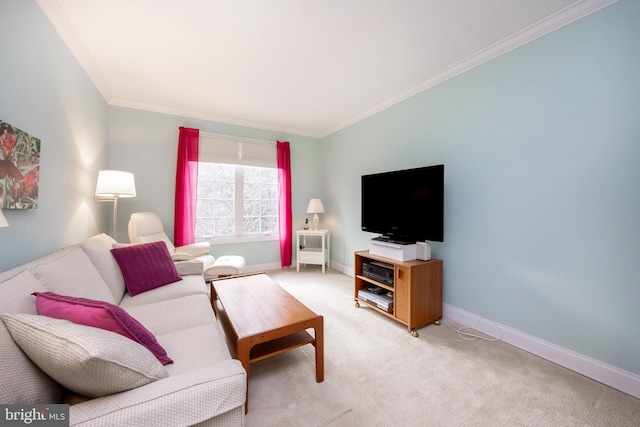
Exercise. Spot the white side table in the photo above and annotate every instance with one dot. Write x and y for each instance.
(313, 255)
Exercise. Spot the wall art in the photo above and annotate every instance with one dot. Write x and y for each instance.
(19, 168)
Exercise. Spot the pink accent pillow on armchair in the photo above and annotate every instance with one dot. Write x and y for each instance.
(146, 266)
(99, 314)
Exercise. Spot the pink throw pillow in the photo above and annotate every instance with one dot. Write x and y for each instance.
(146, 266)
(99, 314)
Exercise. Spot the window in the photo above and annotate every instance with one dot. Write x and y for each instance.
(237, 188)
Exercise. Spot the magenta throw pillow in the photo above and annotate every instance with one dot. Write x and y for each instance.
(99, 314)
(146, 266)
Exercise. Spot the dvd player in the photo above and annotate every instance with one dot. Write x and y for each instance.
(382, 301)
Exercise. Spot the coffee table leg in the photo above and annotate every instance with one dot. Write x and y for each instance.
(242, 353)
(319, 345)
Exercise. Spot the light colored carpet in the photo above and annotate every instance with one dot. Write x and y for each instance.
(377, 374)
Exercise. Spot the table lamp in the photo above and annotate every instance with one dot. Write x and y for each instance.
(315, 207)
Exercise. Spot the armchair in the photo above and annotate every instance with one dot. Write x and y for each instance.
(196, 258)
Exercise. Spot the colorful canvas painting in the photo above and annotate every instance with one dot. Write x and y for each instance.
(19, 168)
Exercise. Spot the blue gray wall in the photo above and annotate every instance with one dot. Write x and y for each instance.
(541, 149)
(45, 92)
(146, 144)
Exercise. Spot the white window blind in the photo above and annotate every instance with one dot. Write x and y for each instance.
(214, 148)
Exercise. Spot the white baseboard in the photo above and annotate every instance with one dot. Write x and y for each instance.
(617, 378)
(259, 268)
(347, 271)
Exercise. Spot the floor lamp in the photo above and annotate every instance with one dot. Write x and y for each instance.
(111, 186)
(3, 220)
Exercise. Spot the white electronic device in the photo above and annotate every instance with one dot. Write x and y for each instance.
(423, 251)
(394, 251)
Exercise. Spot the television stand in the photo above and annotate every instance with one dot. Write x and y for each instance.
(416, 289)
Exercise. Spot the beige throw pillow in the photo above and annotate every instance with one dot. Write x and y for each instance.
(21, 381)
(72, 273)
(89, 361)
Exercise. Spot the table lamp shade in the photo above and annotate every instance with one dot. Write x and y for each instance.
(315, 206)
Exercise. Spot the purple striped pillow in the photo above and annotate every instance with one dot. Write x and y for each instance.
(146, 266)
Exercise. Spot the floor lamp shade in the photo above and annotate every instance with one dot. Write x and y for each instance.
(111, 186)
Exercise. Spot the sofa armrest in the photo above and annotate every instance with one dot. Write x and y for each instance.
(195, 249)
(181, 400)
(181, 256)
(186, 268)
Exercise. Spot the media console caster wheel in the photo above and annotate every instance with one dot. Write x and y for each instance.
(414, 333)
(357, 304)
(437, 322)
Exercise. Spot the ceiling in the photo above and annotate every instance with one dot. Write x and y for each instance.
(308, 67)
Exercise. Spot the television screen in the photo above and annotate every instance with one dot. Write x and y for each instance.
(405, 206)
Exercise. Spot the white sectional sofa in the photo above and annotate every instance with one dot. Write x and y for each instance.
(46, 360)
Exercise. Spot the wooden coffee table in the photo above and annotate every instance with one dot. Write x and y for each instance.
(260, 320)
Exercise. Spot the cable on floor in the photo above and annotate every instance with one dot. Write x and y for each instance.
(471, 334)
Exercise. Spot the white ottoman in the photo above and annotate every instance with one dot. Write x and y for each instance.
(228, 265)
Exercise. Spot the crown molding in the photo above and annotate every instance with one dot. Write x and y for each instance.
(54, 12)
(125, 103)
(564, 17)
(61, 23)
(581, 8)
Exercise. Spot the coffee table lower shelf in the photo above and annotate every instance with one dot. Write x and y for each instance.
(280, 345)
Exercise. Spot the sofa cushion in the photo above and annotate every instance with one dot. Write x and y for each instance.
(22, 381)
(73, 273)
(89, 361)
(164, 317)
(212, 348)
(189, 285)
(98, 249)
(99, 314)
(146, 266)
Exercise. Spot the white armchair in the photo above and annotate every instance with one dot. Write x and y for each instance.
(196, 258)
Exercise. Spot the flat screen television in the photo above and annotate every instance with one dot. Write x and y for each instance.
(404, 206)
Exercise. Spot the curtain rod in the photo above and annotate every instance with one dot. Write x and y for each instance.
(240, 138)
